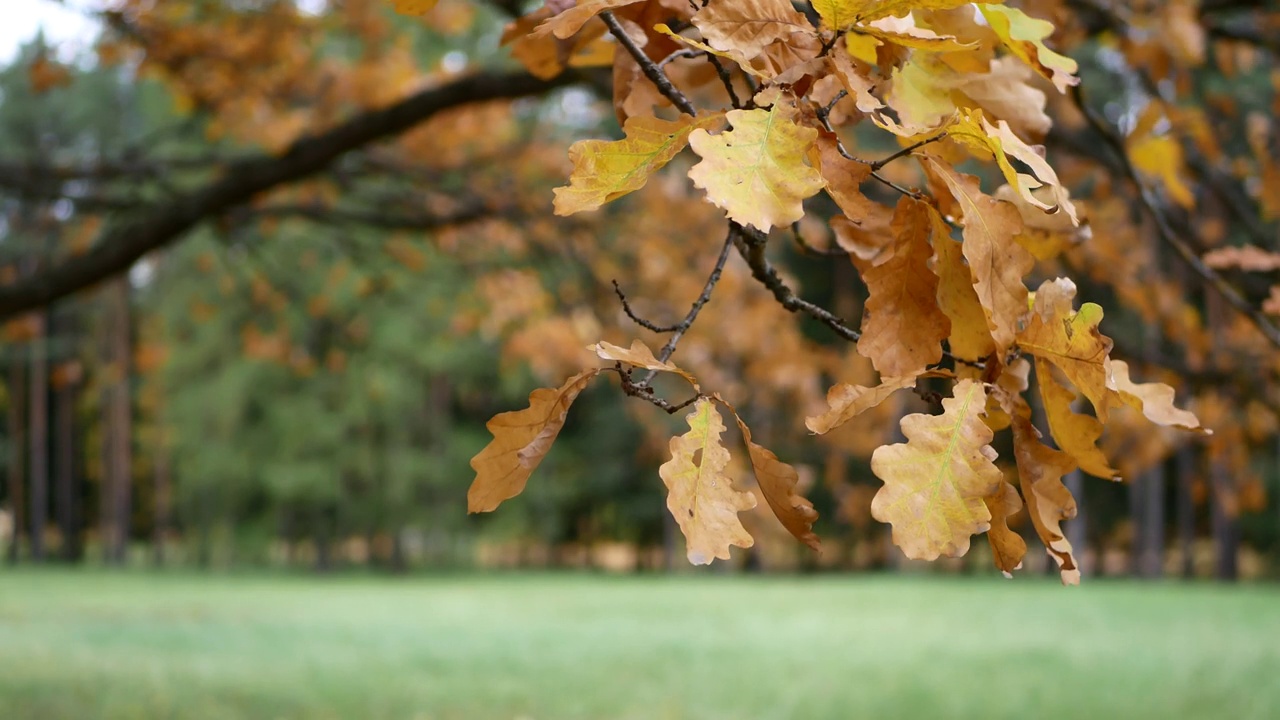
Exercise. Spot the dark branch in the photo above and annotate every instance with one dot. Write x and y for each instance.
(125, 241)
(647, 66)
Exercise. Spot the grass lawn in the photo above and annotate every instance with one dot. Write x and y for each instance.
(88, 645)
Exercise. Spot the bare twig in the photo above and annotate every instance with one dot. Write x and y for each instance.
(647, 66)
(878, 164)
(646, 393)
(647, 325)
(683, 326)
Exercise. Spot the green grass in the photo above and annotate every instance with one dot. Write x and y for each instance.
(96, 645)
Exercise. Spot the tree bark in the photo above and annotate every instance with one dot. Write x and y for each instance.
(1153, 486)
(17, 451)
(66, 490)
(1225, 525)
(39, 436)
(1185, 462)
(1077, 529)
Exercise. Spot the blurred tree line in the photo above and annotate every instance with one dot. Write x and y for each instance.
(302, 381)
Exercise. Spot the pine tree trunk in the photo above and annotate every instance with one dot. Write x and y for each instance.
(1225, 525)
(39, 437)
(17, 451)
(121, 430)
(66, 492)
(1153, 486)
(1077, 529)
(1185, 462)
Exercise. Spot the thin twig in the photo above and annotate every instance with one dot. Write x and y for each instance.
(683, 326)
(751, 244)
(808, 249)
(644, 392)
(725, 79)
(824, 113)
(1166, 232)
(647, 66)
(907, 150)
(647, 325)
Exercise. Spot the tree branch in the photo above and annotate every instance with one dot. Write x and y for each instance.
(125, 241)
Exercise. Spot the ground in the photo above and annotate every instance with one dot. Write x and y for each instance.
(90, 645)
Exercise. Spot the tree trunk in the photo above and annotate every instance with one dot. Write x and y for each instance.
(39, 436)
(1224, 523)
(66, 490)
(163, 501)
(1153, 486)
(17, 451)
(1077, 529)
(1185, 462)
(120, 431)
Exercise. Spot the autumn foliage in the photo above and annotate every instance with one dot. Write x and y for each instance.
(770, 101)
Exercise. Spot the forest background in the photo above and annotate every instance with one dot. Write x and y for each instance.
(301, 378)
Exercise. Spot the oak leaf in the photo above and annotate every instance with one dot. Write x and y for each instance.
(1024, 37)
(1007, 547)
(1075, 434)
(845, 402)
(414, 7)
(638, 355)
(756, 171)
(604, 171)
(521, 439)
(902, 326)
(840, 14)
(934, 484)
(970, 338)
(1049, 502)
(700, 496)
(778, 483)
(563, 25)
(1154, 400)
(997, 262)
(747, 26)
(973, 129)
(1070, 339)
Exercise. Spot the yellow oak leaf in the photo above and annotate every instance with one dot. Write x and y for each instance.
(778, 483)
(414, 7)
(1070, 339)
(1024, 37)
(970, 338)
(521, 439)
(700, 496)
(1154, 400)
(904, 32)
(972, 129)
(845, 402)
(606, 170)
(565, 24)
(902, 325)
(638, 355)
(997, 262)
(1044, 235)
(840, 14)
(1160, 157)
(856, 79)
(934, 484)
(1049, 502)
(1007, 547)
(747, 26)
(1075, 434)
(756, 172)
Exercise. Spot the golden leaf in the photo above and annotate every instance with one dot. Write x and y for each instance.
(1070, 340)
(1007, 547)
(1154, 400)
(604, 171)
(756, 171)
(849, 401)
(521, 439)
(902, 326)
(1049, 502)
(1075, 434)
(1160, 157)
(700, 496)
(1024, 36)
(414, 7)
(840, 14)
(997, 262)
(934, 484)
(638, 355)
(970, 338)
(778, 481)
(747, 26)
(565, 24)
(743, 61)
(971, 128)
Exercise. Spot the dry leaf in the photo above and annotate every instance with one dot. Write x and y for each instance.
(778, 482)
(1049, 502)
